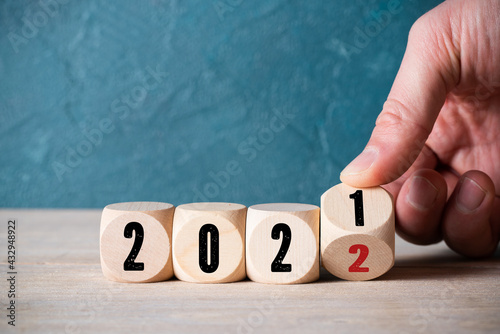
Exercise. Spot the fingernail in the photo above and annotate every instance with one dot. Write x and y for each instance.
(422, 194)
(470, 196)
(363, 162)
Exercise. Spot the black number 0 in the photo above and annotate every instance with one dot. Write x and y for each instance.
(278, 265)
(214, 248)
(129, 264)
(358, 207)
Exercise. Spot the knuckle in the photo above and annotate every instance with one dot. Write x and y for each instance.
(397, 116)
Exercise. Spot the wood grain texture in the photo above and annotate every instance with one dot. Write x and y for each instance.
(302, 253)
(62, 290)
(155, 250)
(350, 250)
(229, 220)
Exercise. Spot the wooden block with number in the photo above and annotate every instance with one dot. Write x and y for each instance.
(136, 242)
(209, 242)
(282, 243)
(357, 232)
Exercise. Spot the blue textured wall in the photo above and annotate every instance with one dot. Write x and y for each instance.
(181, 101)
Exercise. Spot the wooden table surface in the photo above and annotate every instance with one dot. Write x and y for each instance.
(60, 289)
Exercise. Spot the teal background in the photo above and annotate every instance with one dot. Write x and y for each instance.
(84, 123)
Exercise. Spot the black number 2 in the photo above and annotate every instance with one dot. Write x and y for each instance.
(277, 265)
(358, 207)
(129, 264)
(214, 248)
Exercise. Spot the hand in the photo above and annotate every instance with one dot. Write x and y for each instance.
(436, 144)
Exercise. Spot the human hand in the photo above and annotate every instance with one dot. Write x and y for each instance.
(436, 144)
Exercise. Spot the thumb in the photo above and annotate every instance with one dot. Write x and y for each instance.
(429, 70)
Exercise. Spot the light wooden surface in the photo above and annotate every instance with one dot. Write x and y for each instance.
(294, 247)
(61, 289)
(357, 229)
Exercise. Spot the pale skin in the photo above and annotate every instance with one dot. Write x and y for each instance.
(436, 143)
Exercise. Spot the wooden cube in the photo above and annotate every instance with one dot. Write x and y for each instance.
(209, 242)
(136, 239)
(282, 243)
(357, 232)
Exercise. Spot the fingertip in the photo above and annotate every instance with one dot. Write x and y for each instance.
(419, 207)
(357, 173)
(468, 226)
(471, 194)
(369, 169)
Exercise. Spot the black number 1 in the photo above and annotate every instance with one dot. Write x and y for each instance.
(278, 265)
(129, 264)
(358, 207)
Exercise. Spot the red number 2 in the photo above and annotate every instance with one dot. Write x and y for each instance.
(363, 254)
